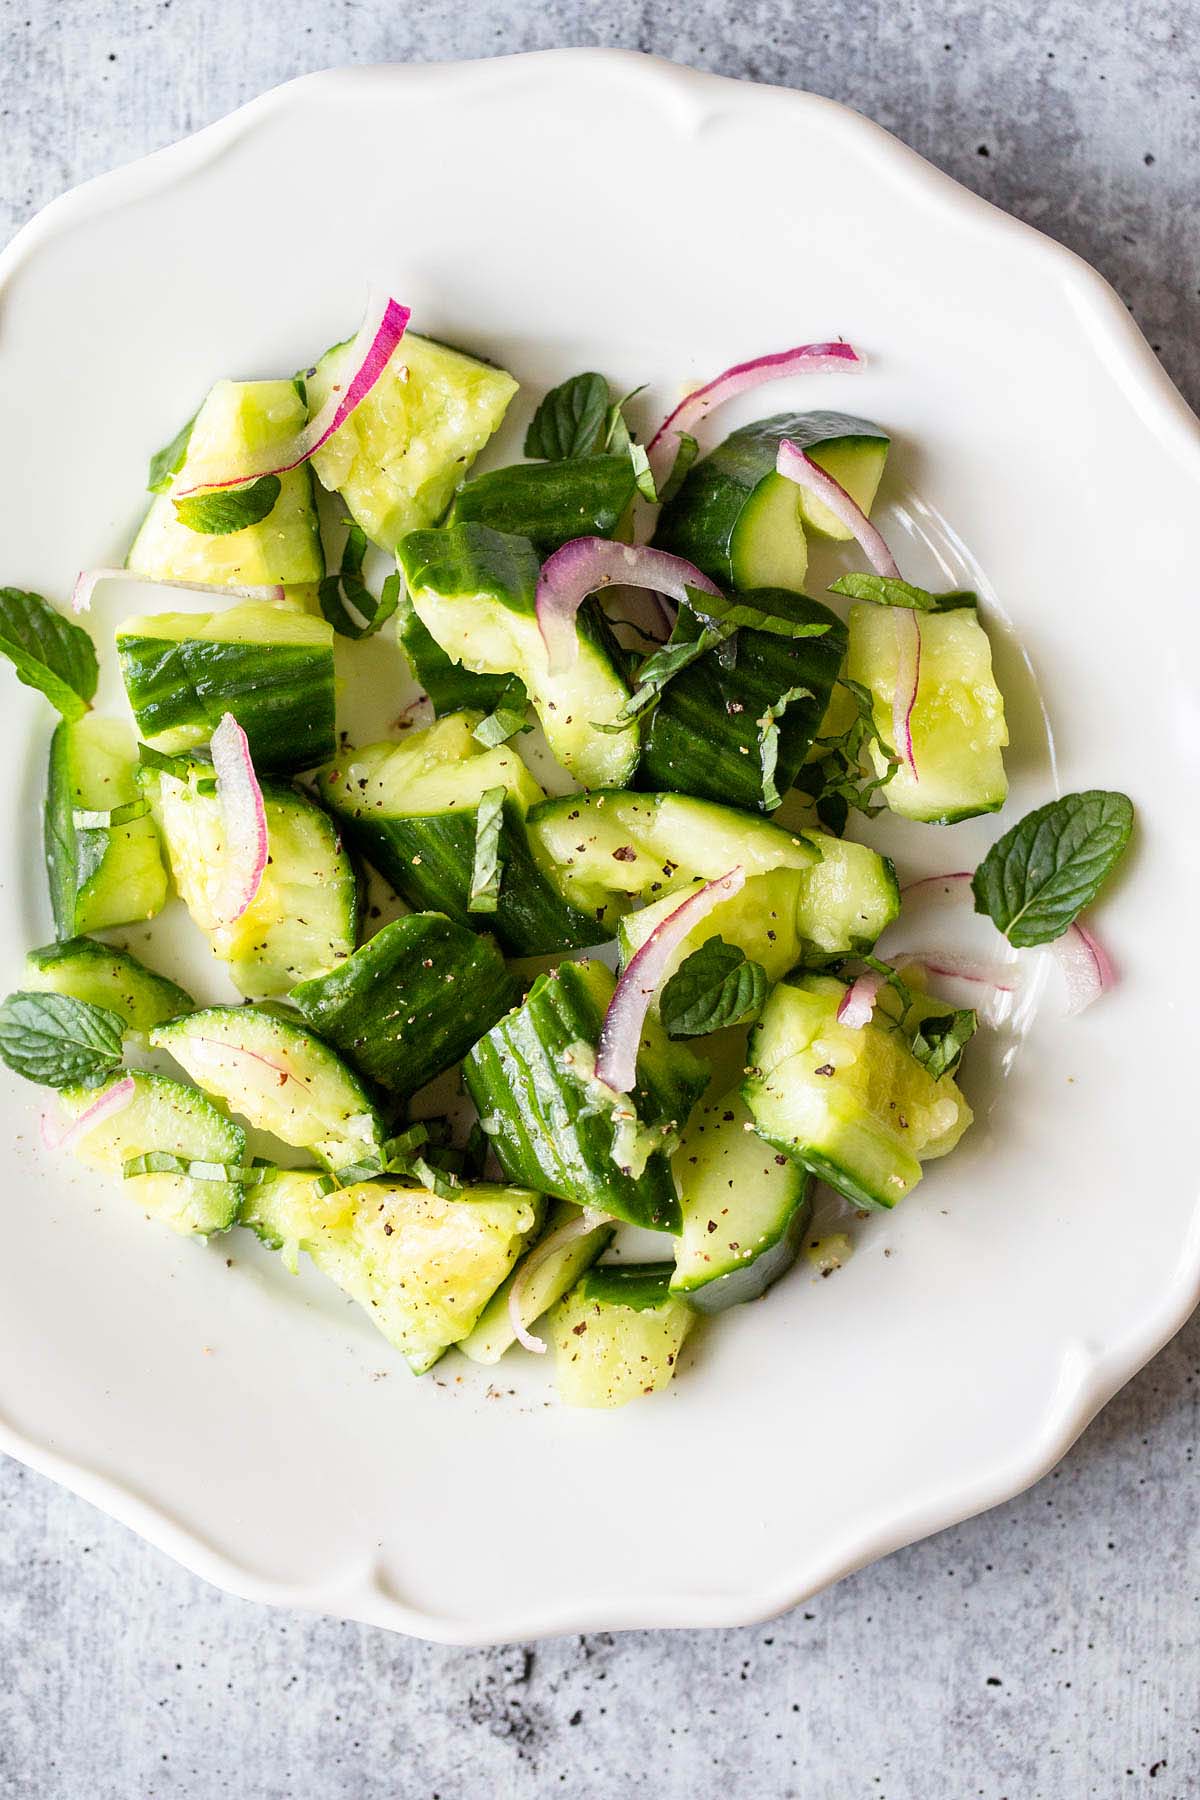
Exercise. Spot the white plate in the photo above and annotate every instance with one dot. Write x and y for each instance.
(591, 209)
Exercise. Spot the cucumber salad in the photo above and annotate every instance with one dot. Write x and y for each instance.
(635, 992)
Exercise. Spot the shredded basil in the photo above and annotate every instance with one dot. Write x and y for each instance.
(488, 867)
(347, 588)
(768, 742)
(841, 776)
(687, 449)
(938, 1042)
(886, 590)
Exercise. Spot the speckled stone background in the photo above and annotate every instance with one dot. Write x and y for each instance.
(1049, 1649)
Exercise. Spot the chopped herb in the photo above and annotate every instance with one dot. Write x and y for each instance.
(842, 777)
(488, 868)
(687, 449)
(768, 742)
(347, 588)
(939, 1042)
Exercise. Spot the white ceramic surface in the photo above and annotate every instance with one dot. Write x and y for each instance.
(599, 209)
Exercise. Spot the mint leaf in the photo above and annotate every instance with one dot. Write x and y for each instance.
(167, 462)
(715, 986)
(84, 820)
(166, 1162)
(938, 1042)
(49, 653)
(234, 509)
(885, 590)
(348, 587)
(687, 449)
(1036, 880)
(488, 868)
(768, 742)
(571, 420)
(59, 1041)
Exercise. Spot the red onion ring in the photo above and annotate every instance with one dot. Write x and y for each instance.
(616, 1053)
(243, 821)
(589, 563)
(368, 356)
(696, 406)
(113, 1100)
(586, 1223)
(88, 580)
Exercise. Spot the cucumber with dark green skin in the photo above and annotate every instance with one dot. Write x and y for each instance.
(618, 1333)
(745, 1208)
(102, 975)
(427, 853)
(704, 735)
(743, 524)
(475, 590)
(449, 685)
(410, 1003)
(271, 667)
(537, 1097)
(549, 503)
(99, 874)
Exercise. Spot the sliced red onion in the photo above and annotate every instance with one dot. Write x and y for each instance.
(586, 1223)
(367, 358)
(998, 975)
(858, 1002)
(89, 579)
(620, 1034)
(691, 411)
(589, 563)
(954, 886)
(243, 821)
(908, 680)
(113, 1100)
(798, 466)
(1086, 965)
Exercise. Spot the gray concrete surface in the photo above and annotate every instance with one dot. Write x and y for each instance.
(1050, 1649)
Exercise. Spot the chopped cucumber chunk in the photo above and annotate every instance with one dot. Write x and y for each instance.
(546, 1283)
(554, 1127)
(411, 1002)
(279, 1077)
(285, 547)
(412, 809)
(270, 666)
(100, 874)
(102, 975)
(303, 920)
(167, 1116)
(745, 1207)
(405, 448)
(853, 1105)
(957, 724)
(550, 503)
(618, 1334)
(742, 523)
(421, 1267)
(705, 735)
(474, 590)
